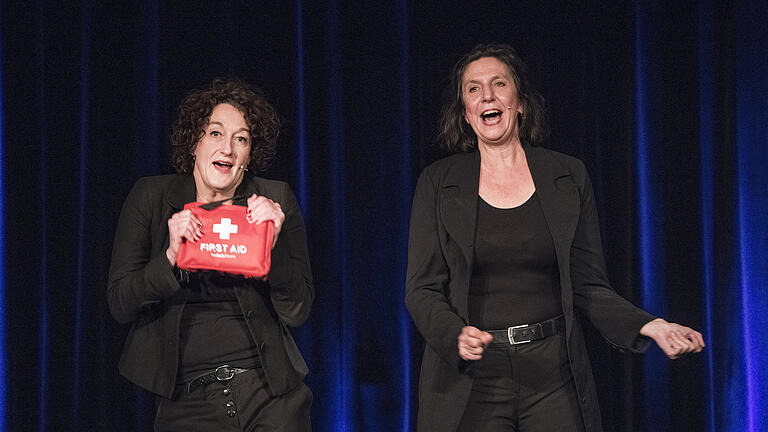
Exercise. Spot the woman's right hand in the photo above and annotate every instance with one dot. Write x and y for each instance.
(472, 343)
(182, 225)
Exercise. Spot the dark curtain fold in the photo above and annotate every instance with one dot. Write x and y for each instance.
(667, 107)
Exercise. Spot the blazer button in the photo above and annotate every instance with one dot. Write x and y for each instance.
(250, 315)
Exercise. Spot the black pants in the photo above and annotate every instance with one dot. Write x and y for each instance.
(243, 404)
(523, 388)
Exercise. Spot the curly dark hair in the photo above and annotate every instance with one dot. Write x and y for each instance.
(195, 113)
(456, 135)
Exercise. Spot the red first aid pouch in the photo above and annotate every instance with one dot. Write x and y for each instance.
(229, 243)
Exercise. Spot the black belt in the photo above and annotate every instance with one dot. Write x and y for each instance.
(529, 332)
(221, 374)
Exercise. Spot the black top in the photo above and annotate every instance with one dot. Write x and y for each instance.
(213, 330)
(514, 276)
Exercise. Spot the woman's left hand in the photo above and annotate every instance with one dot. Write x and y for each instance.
(674, 339)
(261, 208)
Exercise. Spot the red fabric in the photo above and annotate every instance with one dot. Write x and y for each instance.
(230, 244)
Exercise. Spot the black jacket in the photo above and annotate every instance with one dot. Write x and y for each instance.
(440, 259)
(143, 288)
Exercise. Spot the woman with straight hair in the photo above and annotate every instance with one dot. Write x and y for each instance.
(504, 260)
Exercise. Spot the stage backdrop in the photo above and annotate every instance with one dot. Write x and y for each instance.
(667, 106)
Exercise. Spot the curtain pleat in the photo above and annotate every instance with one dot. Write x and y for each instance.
(666, 106)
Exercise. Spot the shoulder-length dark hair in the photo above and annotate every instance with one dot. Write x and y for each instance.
(457, 136)
(195, 113)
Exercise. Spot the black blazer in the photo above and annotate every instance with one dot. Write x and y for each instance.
(440, 259)
(144, 290)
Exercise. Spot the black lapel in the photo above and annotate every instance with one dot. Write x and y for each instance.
(181, 191)
(558, 195)
(561, 204)
(458, 201)
(245, 189)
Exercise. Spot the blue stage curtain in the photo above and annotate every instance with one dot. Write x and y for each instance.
(667, 107)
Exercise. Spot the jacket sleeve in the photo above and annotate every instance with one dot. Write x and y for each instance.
(618, 320)
(136, 279)
(290, 275)
(428, 276)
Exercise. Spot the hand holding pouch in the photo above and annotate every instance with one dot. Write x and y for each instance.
(229, 243)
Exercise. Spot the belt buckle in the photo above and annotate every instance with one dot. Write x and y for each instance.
(511, 335)
(224, 373)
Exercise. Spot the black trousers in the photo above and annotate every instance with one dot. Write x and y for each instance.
(523, 388)
(243, 404)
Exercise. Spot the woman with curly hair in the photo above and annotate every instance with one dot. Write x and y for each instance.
(505, 260)
(214, 348)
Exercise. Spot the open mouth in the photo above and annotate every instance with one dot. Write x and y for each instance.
(222, 166)
(491, 116)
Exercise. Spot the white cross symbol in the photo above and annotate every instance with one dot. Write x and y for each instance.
(225, 228)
